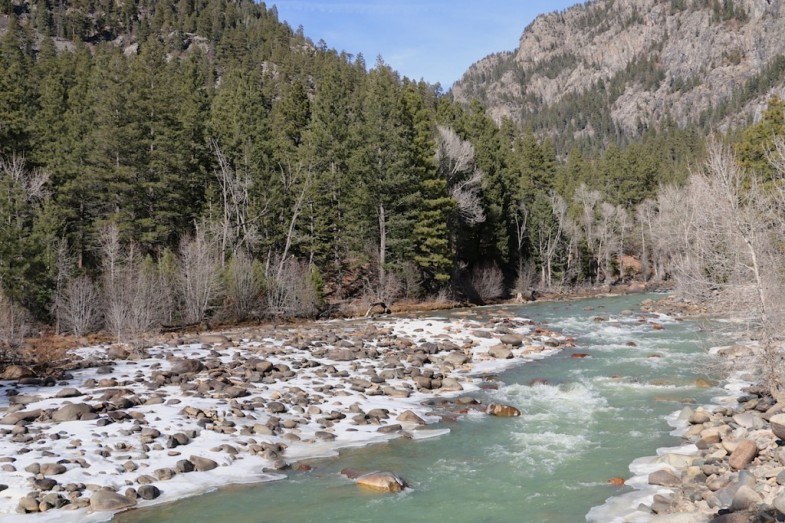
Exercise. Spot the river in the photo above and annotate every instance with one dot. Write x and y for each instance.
(583, 426)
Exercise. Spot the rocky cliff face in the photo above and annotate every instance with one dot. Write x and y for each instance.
(620, 66)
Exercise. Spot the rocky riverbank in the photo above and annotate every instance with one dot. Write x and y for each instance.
(133, 427)
(730, 468)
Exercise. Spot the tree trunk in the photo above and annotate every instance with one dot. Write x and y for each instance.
(382, 246)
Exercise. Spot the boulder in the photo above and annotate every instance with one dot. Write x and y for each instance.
(664, 478)
(52, 469)
(777, 423)
(72, 412)
(148, 492)
(503, 411)
(68, 392)
(203, 464)
(456, 359)
(22, 415)
(500, 352)
(216, 339)
(514, 340)
(744, 499)
(699, 416)
(779, 503)
(105, 499)
(451, 385)
(744, 453)
(410, 417)
(186, 366)
(116, 352)
(17, 372)
(341, 355)
(381, 482)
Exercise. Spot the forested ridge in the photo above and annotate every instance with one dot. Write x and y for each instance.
(608, 71)
(163, 162)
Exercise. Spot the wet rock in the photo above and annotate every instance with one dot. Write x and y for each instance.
(351, 473)
(504, 411)
(381, 482)
(105, 499)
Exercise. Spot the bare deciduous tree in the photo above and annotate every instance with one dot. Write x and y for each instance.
(133, 295)
(238, 225)
(488, 282)
(456, 162)
(200, 262)
(33, 182)
(244, 281)
(727, 232)
(78, 305)
(289, 291)
(14, 322)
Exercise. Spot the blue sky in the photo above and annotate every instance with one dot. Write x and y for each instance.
(432, 39)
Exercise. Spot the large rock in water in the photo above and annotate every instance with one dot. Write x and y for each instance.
(745, 452)
(500, 352)
(514, 340)
(109, 500)
(778, 425)
(381, 482)
(503, 411)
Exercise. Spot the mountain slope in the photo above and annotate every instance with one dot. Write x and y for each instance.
(610, 69)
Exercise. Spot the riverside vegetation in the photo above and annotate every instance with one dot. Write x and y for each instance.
(165, 166)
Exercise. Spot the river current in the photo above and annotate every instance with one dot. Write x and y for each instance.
(585, 419)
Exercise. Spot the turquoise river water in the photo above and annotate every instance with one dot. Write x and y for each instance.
(585, 426)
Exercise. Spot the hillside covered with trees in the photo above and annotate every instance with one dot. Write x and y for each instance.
(165, 163)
